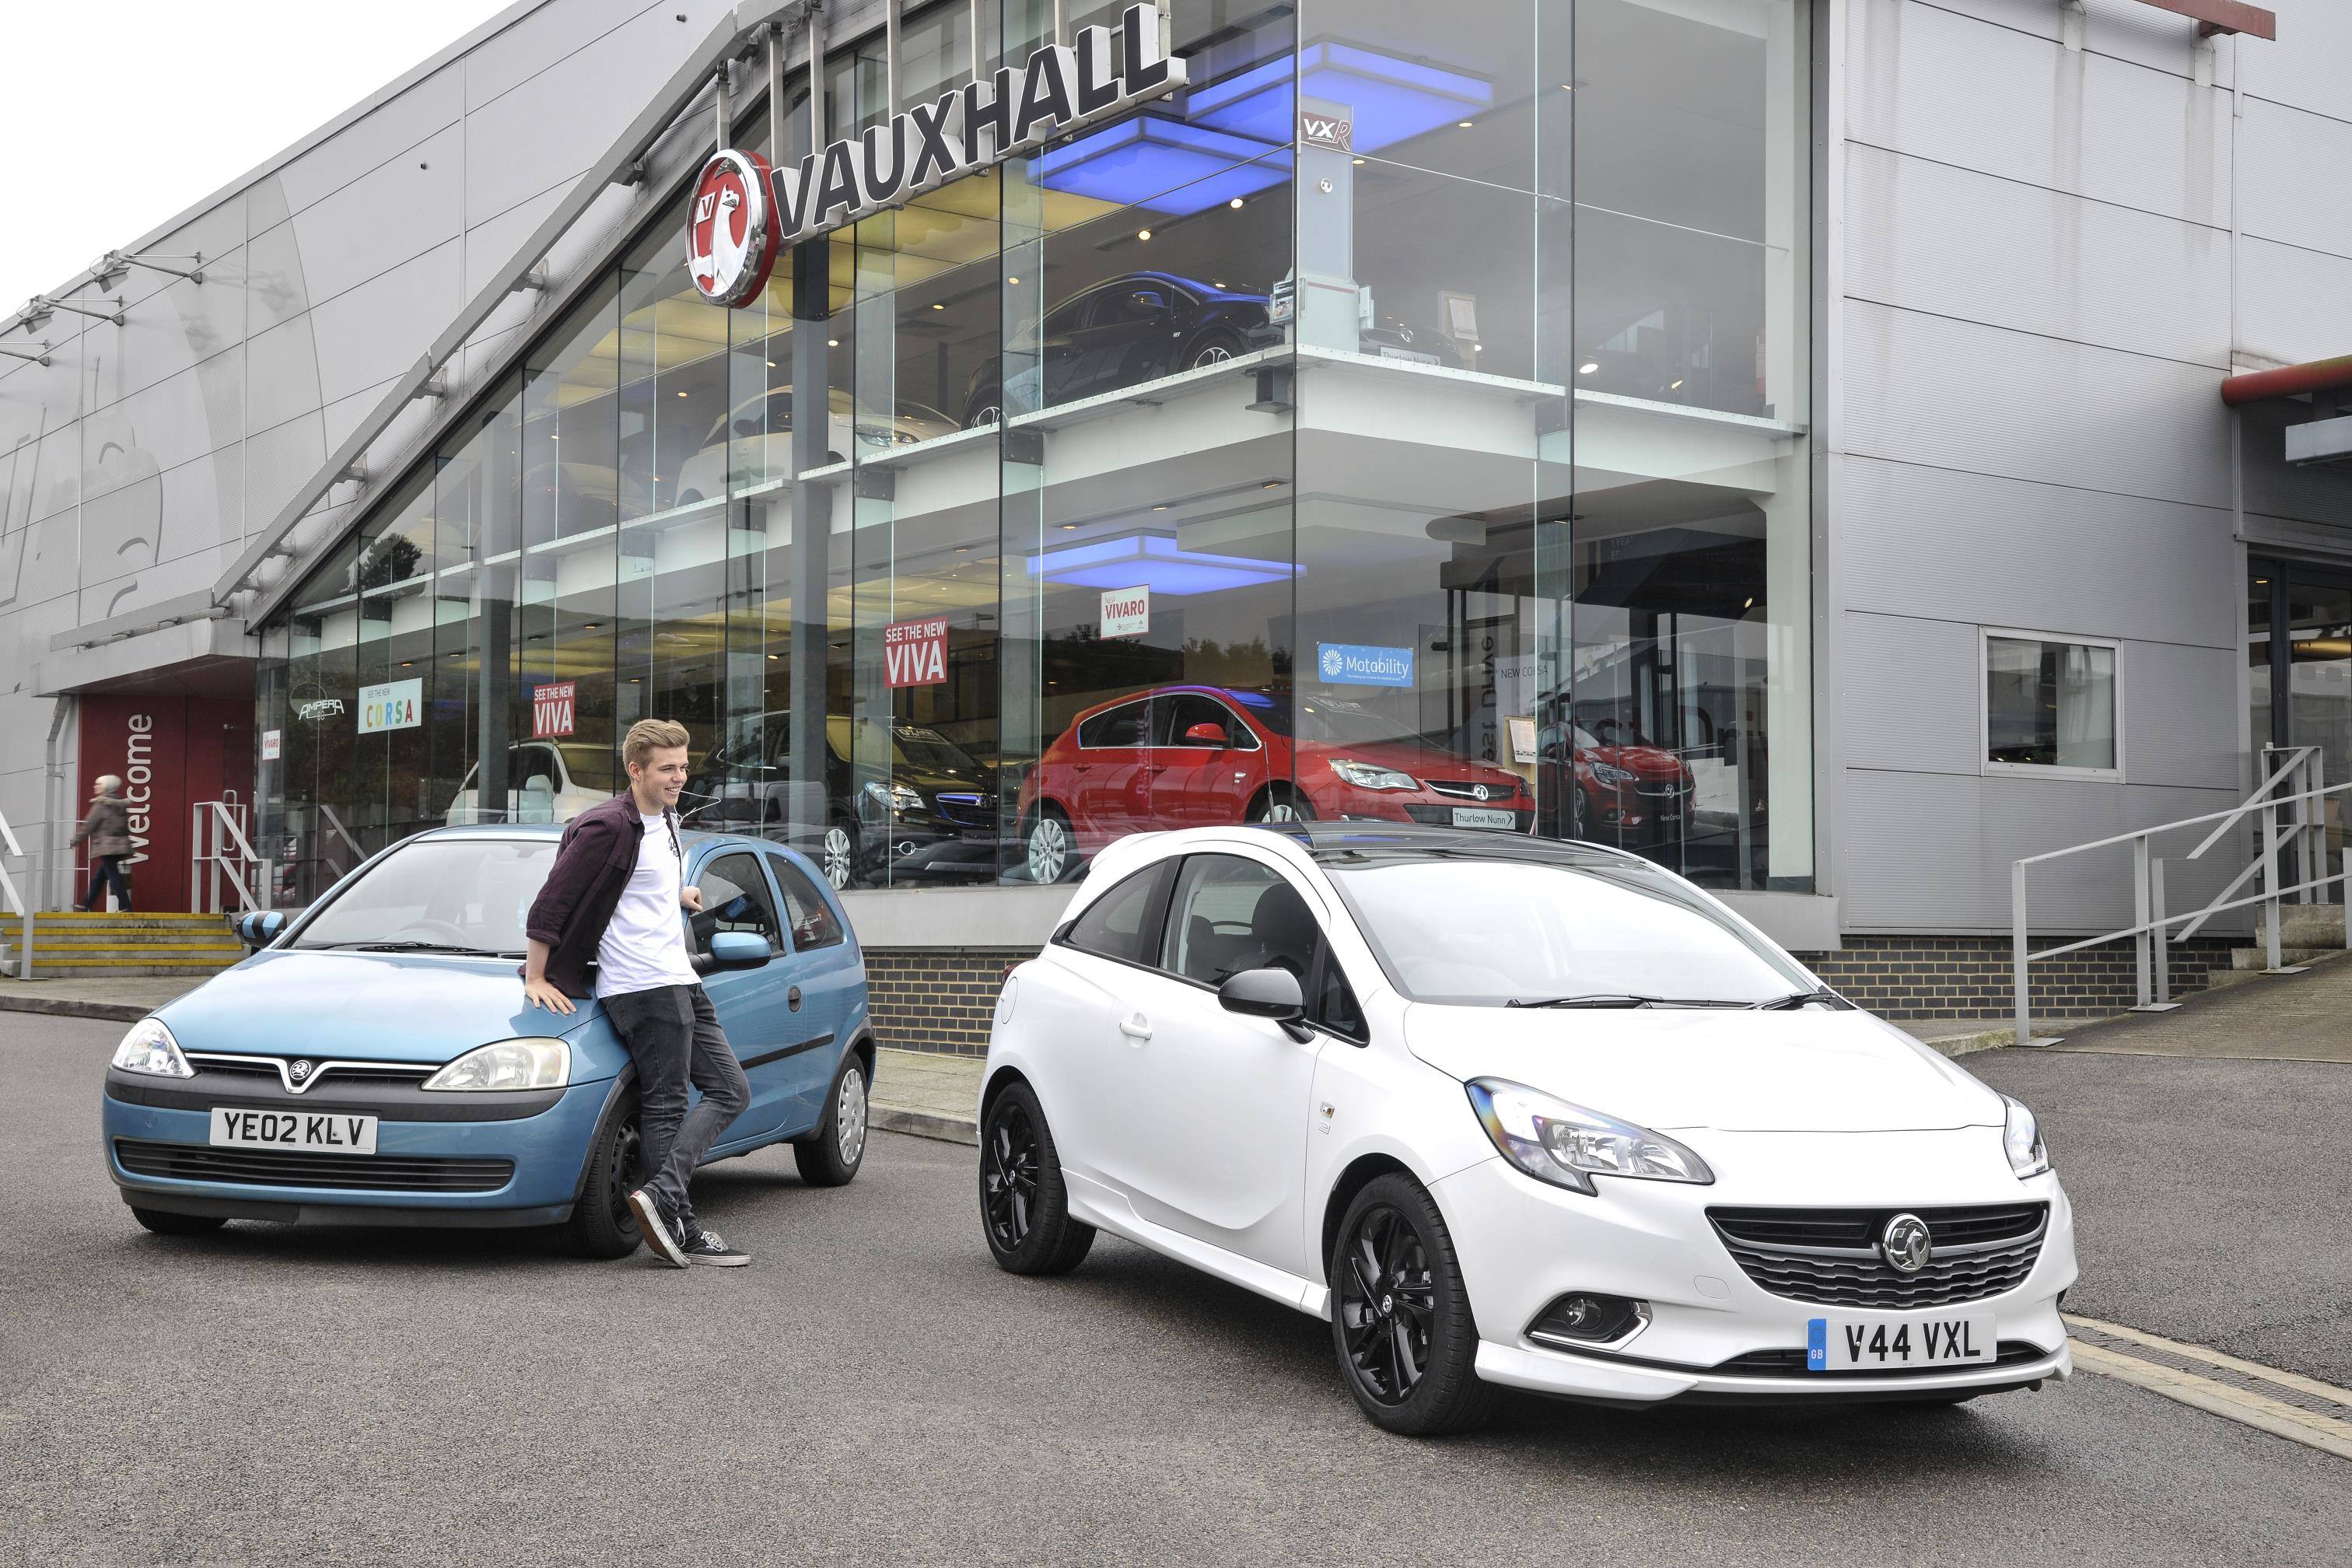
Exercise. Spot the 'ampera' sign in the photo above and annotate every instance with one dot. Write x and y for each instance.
(743, 211)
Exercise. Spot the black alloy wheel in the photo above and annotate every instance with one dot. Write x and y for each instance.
(1024, 1210)
(1400, 1317)
(601, 1225)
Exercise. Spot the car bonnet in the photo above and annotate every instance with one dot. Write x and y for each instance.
(1806, 1070)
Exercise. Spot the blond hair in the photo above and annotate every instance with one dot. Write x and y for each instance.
(647, 736)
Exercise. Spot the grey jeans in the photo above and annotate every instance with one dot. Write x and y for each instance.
(673, 1036)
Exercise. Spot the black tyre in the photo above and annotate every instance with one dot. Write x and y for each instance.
(1048, 847)
(1401, 1320)
(1282, 804)
(164, 1222)
(601, 1225)
(986, 408)
(829, 1157)
(1024, 1209)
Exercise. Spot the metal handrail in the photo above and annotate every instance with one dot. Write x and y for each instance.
(14, 900)
(210, 853)
(2151, 921)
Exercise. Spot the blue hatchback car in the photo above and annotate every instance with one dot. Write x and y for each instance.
(374, 1063)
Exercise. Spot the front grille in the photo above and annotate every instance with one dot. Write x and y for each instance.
(265, 1069)
(965, 809)
(1831, 1257)
(1467, 789)
(1792, 1363)
(1663, 791)
(300, 1168)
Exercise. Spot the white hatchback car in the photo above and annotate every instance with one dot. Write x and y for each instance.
(1514, 1112)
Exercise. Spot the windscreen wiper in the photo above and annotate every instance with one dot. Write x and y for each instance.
(1796, 999)
(1621, 999)
(410, 945)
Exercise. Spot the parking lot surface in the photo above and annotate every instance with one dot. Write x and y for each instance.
(874, 1390)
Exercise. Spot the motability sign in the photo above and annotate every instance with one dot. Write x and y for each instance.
(743, 211)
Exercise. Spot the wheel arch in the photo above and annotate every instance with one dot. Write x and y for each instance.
(1359, 1174)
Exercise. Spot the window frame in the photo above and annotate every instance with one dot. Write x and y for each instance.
(1989, 768)
(1310, 985)
(780, 937)
(776, 866)
(1155, 915)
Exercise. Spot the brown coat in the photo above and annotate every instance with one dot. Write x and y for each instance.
(107, 826)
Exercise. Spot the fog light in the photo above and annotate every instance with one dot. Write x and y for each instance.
(1582, 1318)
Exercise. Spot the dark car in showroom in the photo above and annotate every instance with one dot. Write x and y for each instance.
(1200, 756)
(1140, 326)
(930, 814)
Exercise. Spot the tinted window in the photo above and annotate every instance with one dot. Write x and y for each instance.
(810, 918)
(1334, 1004)
(735, 898)
(1114, 925)
(1232, 914)
(1121, 726)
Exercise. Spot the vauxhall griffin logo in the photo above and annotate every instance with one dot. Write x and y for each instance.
(1906, 1243)
(299, 1069)
(731, 236)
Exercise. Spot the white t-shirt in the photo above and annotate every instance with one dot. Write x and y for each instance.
(644, 945)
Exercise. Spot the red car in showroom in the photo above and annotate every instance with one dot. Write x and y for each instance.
(1195, 756)
(1613, 783)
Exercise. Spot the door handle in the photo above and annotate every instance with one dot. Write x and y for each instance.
(1135, 1028)
(792, 999)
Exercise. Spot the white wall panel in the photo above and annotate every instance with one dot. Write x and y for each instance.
(2293, 305)
(384, 218)
(1996, 551)
(533, 43)
(283, 374)
(1930, 237)
(1927, 81)
(373, 331)
(2285, 165)
(1924, 389)
(277, 461)
(2125, 29)
(2306, 67)
(1910, 689)
(490, 247)
(393, 128)
(2182, 723)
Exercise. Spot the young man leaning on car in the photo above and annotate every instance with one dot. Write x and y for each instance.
(613, 896)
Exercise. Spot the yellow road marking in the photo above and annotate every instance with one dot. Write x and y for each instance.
(2293, 1380)
(2260, 1411)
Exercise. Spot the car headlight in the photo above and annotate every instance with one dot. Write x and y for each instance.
(1604, 773)
(150, 1048)
(1568, 1145)
(529, 1063)
(2020, 1136)
(1372, 775)
(894, 797)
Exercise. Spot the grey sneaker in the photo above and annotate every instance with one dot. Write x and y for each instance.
(657, 1233)
(710, 1248)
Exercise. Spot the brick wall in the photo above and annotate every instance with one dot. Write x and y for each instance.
(1921, 977)
(938, 999)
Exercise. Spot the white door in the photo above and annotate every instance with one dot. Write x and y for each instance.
(1211, 1129)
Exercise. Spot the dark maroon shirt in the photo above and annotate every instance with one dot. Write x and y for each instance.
(593, 866)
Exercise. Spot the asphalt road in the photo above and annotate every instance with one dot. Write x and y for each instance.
(873, 1389)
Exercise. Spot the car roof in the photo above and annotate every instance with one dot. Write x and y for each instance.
(692, 837)
(1329, 843)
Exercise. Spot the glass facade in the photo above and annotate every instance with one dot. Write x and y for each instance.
(1404, 420)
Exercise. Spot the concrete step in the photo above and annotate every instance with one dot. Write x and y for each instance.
(2305, 925)
(2260, 957)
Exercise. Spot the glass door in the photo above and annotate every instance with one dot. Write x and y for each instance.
(2299, 650)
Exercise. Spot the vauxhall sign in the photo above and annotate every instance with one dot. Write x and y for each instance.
(743, 211)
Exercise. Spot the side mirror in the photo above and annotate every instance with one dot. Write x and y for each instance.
(1206, 735)
(739, 950)
(259, 928)
(1270, 993)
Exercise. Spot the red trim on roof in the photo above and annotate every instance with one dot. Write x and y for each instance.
(2224, 16)
(2289, 380)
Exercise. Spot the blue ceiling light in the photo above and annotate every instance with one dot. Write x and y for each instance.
(1163, 165)
(1153, 561)
(1390, 99)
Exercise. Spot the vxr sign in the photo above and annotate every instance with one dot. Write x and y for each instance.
(743, 211)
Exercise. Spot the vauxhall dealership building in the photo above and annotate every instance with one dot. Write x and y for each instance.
(1785, 438)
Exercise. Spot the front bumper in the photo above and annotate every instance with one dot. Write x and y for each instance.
(1523, 1245)
(546, 1150)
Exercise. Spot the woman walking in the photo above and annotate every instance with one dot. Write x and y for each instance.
(108, 828)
